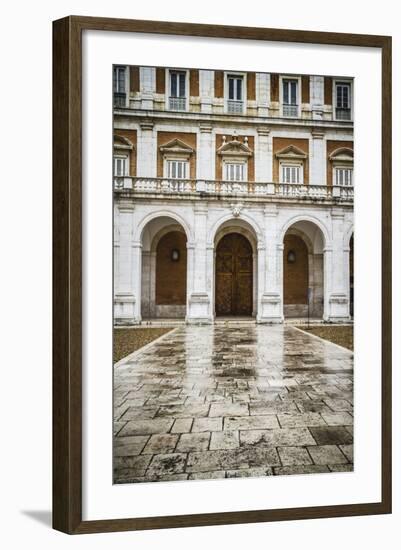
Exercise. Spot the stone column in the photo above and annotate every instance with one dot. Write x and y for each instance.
(198, 297)
(147, 150)
(317, 161)
(263, 93)
(317, 96)
(205, 153)
(338, 297)
(147, 81)
(206, 90)
(263, 156)
(127, 296)
(269, 310)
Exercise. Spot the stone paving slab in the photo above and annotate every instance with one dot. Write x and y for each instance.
(214, 402)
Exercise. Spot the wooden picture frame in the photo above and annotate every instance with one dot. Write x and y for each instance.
(67, 274)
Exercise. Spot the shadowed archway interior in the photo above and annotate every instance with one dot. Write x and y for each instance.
(234, 275)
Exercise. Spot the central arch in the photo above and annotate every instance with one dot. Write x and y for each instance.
(234, 275)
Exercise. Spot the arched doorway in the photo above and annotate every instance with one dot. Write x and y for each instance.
(303, 270)
(171, 275)
(296, 276)
(164, 269)
(234, 276)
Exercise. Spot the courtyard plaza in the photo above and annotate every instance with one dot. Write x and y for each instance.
(225, 401)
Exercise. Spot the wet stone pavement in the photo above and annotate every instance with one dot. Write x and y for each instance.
(233, 401)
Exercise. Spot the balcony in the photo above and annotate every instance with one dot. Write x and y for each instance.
(222, 188)
(177, 103)
(119, 99)
(290, 110)
(235, 106)
(343, 114)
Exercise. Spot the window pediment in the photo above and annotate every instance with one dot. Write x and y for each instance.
(291, 153)
(341, 155)
(176, 147)
(234, 148)
(123, 143)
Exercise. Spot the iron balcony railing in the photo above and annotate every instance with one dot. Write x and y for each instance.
(177, 103)
(228, 188)
(290, 110)
(343, 113)
(119, 99)
(235, 106)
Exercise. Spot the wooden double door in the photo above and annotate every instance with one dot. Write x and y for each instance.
(234, 276)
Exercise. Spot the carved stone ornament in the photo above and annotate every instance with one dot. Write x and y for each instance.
(236, 209)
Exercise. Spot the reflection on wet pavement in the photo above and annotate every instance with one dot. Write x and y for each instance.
(221, 401)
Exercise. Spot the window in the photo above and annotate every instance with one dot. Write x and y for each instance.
(178, 90)
(234, 171)
(119, 87)
(177, 169)
(343, 101)
(343, 176)
(120, 166)
(290, 97)
(235, 101)
(291, 173)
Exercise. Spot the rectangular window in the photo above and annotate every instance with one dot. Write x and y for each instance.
(119, 87)
(343, 101)
(234, 172)
(290, 173)
(120, 166)
(344, 177)
(235, 100)
(178, 90)
(177, 169)
(290, 97)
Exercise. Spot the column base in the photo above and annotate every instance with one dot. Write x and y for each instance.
(339, 308)
(125, 310)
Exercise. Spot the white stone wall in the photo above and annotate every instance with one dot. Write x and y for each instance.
(326, 228)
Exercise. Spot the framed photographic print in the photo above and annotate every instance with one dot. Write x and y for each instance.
(222, 275)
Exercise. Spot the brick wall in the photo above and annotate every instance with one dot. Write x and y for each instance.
(194, 82)
(251, 161)
(282, 143)
(274, 87)
(305, 89)
(296, 274)
(160, 80)
(134, 79)
(171, 277)
(188, 138)
(328, 90)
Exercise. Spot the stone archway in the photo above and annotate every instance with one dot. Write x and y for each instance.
(234, 276)
(303, 270)
(164, 269)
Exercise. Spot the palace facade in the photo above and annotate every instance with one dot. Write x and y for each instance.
(233, 195)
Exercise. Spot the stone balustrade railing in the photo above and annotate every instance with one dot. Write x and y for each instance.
(222, 187)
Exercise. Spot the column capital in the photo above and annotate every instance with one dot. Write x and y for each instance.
(317, 133)
(263, 131)
(125, 207)
(270, 211)
(205, 128)
(201, 208)
(146, 124)
(337, 213)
